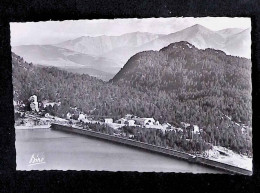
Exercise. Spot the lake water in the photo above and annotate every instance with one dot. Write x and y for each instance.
(65, 151)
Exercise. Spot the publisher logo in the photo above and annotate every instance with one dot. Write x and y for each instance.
(37, 158)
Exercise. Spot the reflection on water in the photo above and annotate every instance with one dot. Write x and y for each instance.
(65, 151)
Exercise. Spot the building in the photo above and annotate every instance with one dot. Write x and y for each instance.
(131, 136)
(68, 116)
(34, 106)
(144, 121)
(166, 125)
(128, 116)
(196, 129)
(33, 103)
(157, 123)
(108, 120)
(46, 103)
(82, 117)
(192, 131)
(121, 121)
(131, 122)
(189, 130)
(33, 98)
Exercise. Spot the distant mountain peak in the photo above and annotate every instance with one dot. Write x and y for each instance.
(198, 27)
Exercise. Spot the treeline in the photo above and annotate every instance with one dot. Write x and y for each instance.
(100, 128)
(98, 98)
(177, 139)
(170, 139)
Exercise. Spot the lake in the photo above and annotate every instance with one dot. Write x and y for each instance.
(65, 151)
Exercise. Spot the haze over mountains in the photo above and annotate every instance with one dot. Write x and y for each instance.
(100, 45)
(48, 55)
(104, 56)
(235, 42)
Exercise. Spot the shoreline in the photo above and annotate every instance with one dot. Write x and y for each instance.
(170, 152)
(23, 127)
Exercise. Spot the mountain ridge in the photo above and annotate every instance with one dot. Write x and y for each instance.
(101, 44)
(110, 53)
(202, 38)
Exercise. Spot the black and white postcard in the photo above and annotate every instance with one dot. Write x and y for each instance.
(146, 95)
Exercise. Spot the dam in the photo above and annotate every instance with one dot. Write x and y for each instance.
(197, 160)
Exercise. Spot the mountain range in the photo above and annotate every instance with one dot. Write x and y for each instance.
(103, 56)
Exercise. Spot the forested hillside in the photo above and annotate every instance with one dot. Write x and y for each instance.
(208, 80)
(180, 83)
(87, 93)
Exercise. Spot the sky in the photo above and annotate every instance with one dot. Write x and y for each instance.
(52, 32)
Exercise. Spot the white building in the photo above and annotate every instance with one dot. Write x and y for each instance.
(108, 120)
(34, 104)
(155, 127)
(82, 117)
(131, 136)
(46, 103)
(157, 123)
(144, 121)
(33, 98)
(196, 129)
(131, 122)
(166, 125)
(68, 116)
